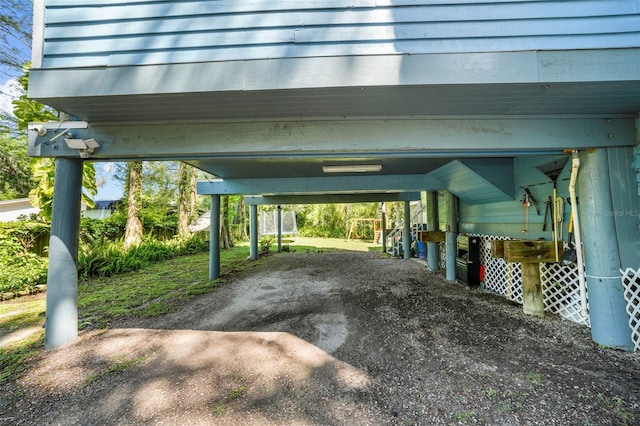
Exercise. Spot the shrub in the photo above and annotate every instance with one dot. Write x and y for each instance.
(106, 259)
(21, 268)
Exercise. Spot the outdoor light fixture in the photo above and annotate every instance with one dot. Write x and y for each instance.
(84, 146)
(352, 168)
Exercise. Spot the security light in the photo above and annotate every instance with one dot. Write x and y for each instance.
(84, 146)
(352, 168)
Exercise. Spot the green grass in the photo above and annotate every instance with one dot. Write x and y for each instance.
(533, 378)
(238, 392)
(119, 366)
(15, 357)
(21, 313)
(155, 290)
(158, 288)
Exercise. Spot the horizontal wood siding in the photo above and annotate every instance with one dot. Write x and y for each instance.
(117, 32)
(506, 218)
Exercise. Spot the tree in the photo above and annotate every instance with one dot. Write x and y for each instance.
(193, 196)
(15, 35)
(183, 216)
(15, 38)
(133, 230)
(42, 195)
(27, 110)
(43, 169)
(15, 171)
(225, 233)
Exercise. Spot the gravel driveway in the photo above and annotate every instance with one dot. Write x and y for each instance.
(337, 338)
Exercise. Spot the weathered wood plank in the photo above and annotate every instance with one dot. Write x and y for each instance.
(533, 302)
(431, 236)
(497, 249)
(523, 251)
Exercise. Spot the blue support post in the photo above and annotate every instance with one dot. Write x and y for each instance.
(607, 307)
(406, 233)
(214, 238)
(61, 326)
(383, 226)
(451, 235)
(253, 228)
(433, 249)
(279, 229)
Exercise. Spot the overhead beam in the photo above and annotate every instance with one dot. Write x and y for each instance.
(332, 198)
(405, 137)
(328, 184)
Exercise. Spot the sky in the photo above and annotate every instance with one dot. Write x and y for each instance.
(9, 90)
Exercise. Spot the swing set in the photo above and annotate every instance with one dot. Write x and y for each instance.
(365, 228)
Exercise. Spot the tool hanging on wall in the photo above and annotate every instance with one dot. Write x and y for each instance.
(547, 213)
(525, 213)
(569, 254)
(552, 170)
(533, 200)
(559, 217)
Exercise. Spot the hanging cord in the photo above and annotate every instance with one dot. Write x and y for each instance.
(525, 213)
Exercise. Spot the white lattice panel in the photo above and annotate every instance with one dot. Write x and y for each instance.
(561, 291)
(495, 270)
(514, 283)
(631, 283)
(560, 286)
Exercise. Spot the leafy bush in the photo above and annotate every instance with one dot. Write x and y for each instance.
(160, 224)
(20, 267)
(103, 230)
(107, 259)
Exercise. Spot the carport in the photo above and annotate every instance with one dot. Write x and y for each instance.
(376, 112)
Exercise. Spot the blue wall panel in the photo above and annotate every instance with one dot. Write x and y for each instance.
(507, 218)
(111, 32)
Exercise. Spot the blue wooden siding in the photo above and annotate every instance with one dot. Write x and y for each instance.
(506, 217)
(83, 33)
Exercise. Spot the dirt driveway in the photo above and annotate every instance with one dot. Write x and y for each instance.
(337, 338)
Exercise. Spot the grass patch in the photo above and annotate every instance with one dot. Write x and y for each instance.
(15, 357)
(533, 378)
(21, 313)
(155, 290)
(116, 368)
(238, 392)
(218, 409)
(619, 407)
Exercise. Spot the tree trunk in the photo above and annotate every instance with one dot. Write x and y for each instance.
(225, 233)
(183, 216)
(133, 230)
(193, 200)
(347, 208)
(244, 233)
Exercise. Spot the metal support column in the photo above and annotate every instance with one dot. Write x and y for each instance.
(406, 233)
(253, 228)
(607, 307)
(61, 326)
(383, 228)
(214, 238)
(433, 249)
(279, 229)
(451, 235)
